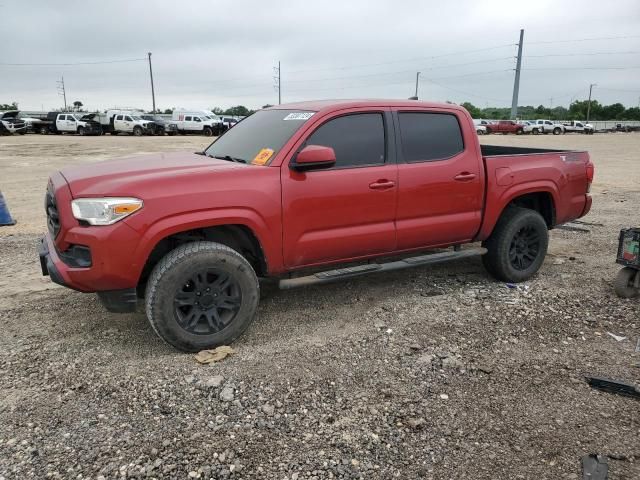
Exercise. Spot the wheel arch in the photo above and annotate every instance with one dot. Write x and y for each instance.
(542, 199)
(237, 236)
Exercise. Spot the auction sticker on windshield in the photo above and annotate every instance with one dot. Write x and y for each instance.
(299, 116)
(262, 157)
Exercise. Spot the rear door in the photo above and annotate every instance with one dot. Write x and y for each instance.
(441, 179)
(346, 211)
(118, 123)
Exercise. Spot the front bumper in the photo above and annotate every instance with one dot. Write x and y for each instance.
(123, 300)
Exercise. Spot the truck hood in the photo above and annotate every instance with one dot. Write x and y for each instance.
(135, 176)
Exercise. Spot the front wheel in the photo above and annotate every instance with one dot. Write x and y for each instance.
(137, 131)
(535, 131)
(44, 131)
(81, 131)
(557, 131)
(519, 131)
(201, 295)
(517, 246)
(624, 284)
(489, 131)
(479, 132)
(208, 132)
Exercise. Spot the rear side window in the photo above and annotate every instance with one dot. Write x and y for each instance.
(187, 119)
(119, 117)
(429, 136)
(62, 117)
(356, 139)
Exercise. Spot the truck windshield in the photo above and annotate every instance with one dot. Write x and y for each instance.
(135, 117)
(264, 131)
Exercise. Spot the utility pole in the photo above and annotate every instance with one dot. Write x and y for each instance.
(278, 84)
(153, 93)
(516, 82)
(589, 104)
(417, 81)
(62, 91)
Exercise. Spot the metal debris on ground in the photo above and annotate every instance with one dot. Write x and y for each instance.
(594, 467)
(617, 338)
(215, 355)
(638, 345)
(614, 386)
(572, 228)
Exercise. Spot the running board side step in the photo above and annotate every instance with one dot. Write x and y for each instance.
(350, 272)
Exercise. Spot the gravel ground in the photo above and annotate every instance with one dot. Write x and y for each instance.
(434, 373)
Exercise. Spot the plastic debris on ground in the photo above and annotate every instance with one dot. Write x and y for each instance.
(210, 356)
(617, 338)
(594, 467)
(614, 386)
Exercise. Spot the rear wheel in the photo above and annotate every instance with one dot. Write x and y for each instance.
(624, 284)
(517, 246)
(201, 295)
(44, 131)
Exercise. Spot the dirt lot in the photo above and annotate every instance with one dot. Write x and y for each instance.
(432, 373)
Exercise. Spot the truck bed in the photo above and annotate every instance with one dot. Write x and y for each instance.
(560, 174)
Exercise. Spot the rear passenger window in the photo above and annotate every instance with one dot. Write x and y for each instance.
(356, 139)
(429, 136)
(62, 117)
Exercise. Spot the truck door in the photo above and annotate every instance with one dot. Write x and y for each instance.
(61, 123)
(188, 123)
(441, 179)
(127, 124)
(118, 123)
(197, 124)
(348, 210)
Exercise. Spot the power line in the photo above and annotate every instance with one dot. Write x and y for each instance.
(72, 64)
(584, 39)
(431, 57)
(583, 68)
(580, 54)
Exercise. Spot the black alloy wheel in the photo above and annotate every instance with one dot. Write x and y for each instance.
(524, 248)
(207, 302)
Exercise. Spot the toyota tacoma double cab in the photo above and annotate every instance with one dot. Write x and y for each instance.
(304, 193)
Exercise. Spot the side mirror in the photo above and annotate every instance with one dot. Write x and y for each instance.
(314, 157)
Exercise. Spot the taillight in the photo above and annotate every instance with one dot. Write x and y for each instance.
(590, 172)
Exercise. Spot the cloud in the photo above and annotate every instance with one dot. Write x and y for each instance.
(208, 53)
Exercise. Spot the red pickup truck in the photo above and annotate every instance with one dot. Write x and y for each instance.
(504, 127)
(293, 191)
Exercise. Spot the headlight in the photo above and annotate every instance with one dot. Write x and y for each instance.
(104, 211)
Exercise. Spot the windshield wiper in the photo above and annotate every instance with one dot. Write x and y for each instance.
(228, 158)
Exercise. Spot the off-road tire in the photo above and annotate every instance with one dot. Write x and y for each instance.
(514, 221)
(137, 131)
(623, 284)
(168, 277)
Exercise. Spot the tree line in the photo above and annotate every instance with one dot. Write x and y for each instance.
(576, 111)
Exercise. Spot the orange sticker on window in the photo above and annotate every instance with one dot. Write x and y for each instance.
(262, 157)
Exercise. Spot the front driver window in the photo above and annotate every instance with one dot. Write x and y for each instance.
(356, 139)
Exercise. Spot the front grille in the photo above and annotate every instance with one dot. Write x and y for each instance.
(51, 209)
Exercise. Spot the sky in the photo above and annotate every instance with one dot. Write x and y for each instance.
(213, 53)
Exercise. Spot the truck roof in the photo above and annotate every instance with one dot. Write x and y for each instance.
(328, 105)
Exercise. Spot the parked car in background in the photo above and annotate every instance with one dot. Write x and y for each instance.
(291, 193)
(228, 122)
(11, 123)
(481, 129)
(529, 127)
(197, 121)
(126, 121)
(505, 127)
(575, 126)
(549, 126)
(161, 125)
